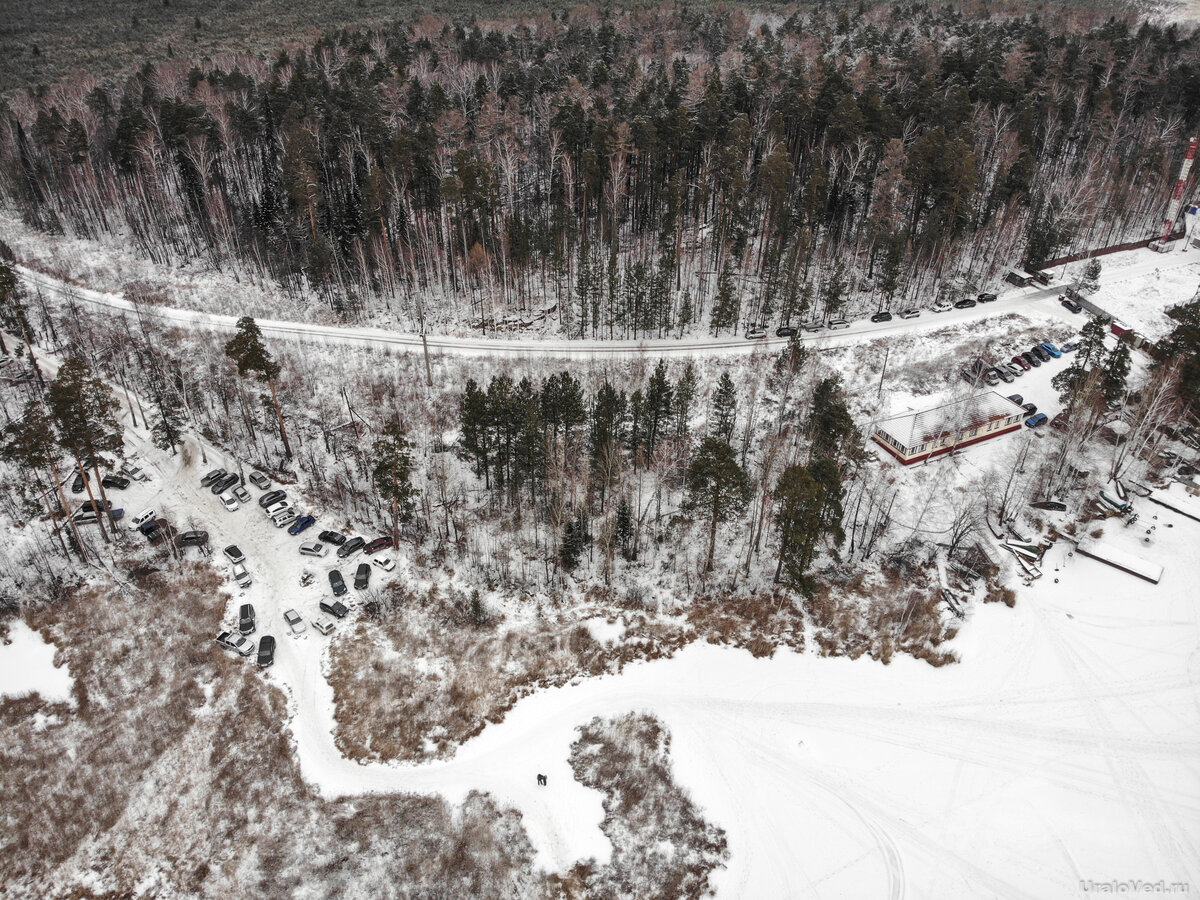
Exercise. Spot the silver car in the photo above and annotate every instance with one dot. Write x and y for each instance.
(294, 622)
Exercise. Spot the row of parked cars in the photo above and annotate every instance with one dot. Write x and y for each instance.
(884, 315)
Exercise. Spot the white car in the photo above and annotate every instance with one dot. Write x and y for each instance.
(229, 502)
(294, 622)
(323, 625)
(286, 517)
(242, 575)
(942, 306)
(234, 554)
(141, 519)
(911, 313)
(386, 563)
(276, 508)
(835, 324)
(131, 468)
(313, 548)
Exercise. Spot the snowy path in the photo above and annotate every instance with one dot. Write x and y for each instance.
(1024, 300)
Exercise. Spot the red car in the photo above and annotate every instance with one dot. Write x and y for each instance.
(380, 543)
(1022, 362)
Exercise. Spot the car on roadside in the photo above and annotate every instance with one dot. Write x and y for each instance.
(230, 502)
(246, 618)
(1051, 349)
(334, 608)
(242, 575)
(313, 548)
(234, 554)
(942, 306)
(362, 577)
(1032, 358)
(1036, 420)
(115, 482)
(1022, 363)
(271, 497)
(235, 642)
(259, 480)
(284, 517)
(965, 303)
(1070, 304)
(814, 325)
(301, 524)
(266, 651)
(380, 543)
(77, 482)
(756, 334)
(785, 331)
(331, 537)
(1030, 408)
(337, 583)
(351, 547)
(910, 313)
(277, 507)
(1016, 398)
(1042, 278)
(192, 539)
(837, 324)
(295, 624)
(212, 477)
(242, 495)
(322, 625)
(987, 297)
(384, 563)
(882, 316)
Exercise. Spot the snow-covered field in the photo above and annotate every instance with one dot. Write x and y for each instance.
(27, 666)
(1138, 287)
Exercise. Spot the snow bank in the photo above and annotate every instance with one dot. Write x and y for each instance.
(27, 666)
(603, 631)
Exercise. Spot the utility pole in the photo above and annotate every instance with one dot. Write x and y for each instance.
(886, 351)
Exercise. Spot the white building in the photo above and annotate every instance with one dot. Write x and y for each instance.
(914, 436)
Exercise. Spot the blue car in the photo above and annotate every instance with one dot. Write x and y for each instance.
(1051, 349)
(301, 523)
(1036, 420)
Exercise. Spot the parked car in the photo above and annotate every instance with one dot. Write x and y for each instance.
(334, 608)
(882, 316)
(1069, 347)
(1016, 398)
(1036, 420)
(351, 547)
(965, 303)
(266, 650)
(95, 505)
(246, 618)
(88, 516)
(117, 482)
(1032, 358)
(1041, 278)
(332, 537)
(1040, 352)
(1049, 505)
(1060, 421)
(77, 483)
(812, 326)
(987, 297)
(992, 377)
(294, 623)
(1022, 363)
(756, 334)
(836, 324)
(362, 577)
(284, 517)
(161, 531)
(785, 331)
(1013, 369)
(132, 469)
(1030, 408)
(380, 543)
(235, 642)
(942, 306)
(1071, 305)
(242, 495)
(221, 485)
(301, 524)
(260, 481)
(384, 563)
(242, 575)
(234, 554)
(229, 502)
(277, 507)
(322, 625)
(1051, 349)
(1005, 375)
(911, 313)
(272, 497)
(336, 582)
(212, 477)
(192, 539)
(146, 515)
(313, 548)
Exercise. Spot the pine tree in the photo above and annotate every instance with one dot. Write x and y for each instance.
(810, 508)
(684, 397)
(717, 487)
(725, 304)
(831, 429)
(251, 356)
(1116, 372)
(392, 473)
(724, 409)
(624, 530)
(473, 427)
(659, 400)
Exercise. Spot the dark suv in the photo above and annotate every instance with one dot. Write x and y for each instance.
(351, 546)
(336, 582)
(213, 476)
(331, 537)
(987, 297)
(271, 497)
(334, 608)
(266, 650)
(380, 543)
(192, 539)
(221, 485)
(246, 619)
(362, 577)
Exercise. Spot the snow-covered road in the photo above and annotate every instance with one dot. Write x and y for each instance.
(1016, 300)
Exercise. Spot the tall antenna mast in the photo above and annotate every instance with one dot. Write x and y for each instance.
(1176, 197)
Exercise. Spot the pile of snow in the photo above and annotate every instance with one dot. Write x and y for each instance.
(27, 666)
(604, 631)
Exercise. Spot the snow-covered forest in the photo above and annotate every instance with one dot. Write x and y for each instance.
(636, 173)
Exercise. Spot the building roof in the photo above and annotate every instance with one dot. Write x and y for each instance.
(915, 428)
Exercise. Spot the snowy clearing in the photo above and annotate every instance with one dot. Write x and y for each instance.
(27, 666)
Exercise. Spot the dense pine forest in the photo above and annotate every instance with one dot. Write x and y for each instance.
(630, 173)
